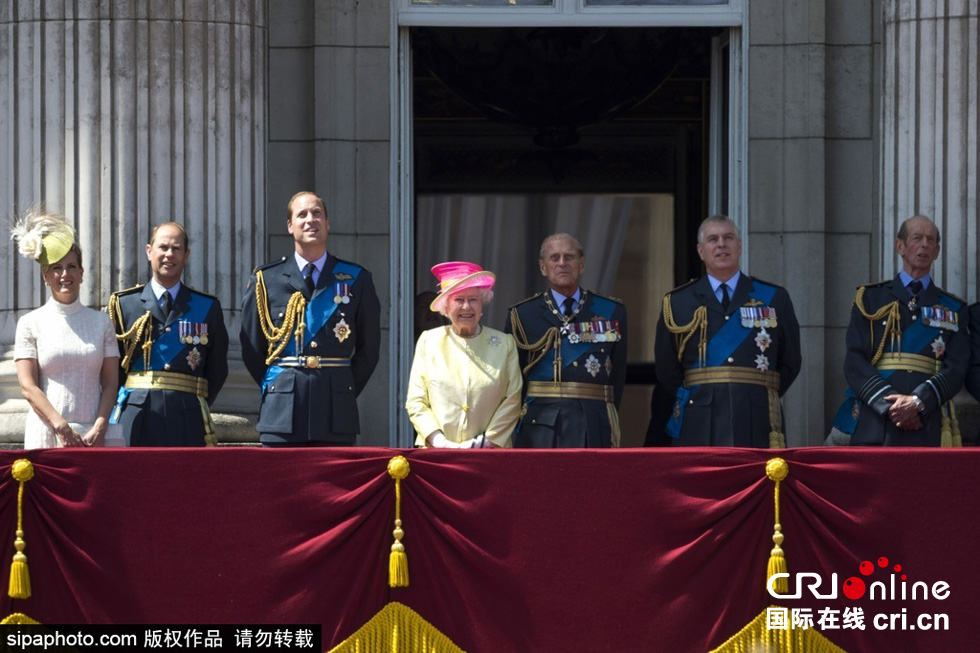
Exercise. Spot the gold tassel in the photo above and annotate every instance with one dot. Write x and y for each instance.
(945, 428)
(20, 579)
(957, 436)
(398, 469)
(777, 470)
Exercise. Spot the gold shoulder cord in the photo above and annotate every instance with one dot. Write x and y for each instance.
(142, 329)
(295, 314)
(893, 322)
(550, 340)
(698, 323)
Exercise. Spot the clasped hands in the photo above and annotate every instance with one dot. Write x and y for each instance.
(904, 413)
(439, 440)
(69, 437)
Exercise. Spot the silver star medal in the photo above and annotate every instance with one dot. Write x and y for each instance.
(763, 340)
(938, 347)
(592, 365)
(762, 363)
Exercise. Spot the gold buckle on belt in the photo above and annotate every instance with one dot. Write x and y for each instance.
(311, 362)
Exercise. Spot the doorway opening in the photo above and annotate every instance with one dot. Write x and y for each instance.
(600, 132)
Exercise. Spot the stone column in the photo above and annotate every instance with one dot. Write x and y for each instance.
(786, 216)
(124, 114)
(930, 124)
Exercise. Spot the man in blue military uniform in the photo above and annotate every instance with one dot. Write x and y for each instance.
(173, 351)
(728, 347)
(907, 350)
(572, 345)
(311, 336)
(973, 374)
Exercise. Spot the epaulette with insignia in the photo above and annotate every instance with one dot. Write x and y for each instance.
(342, 260)
(266, 266)
(126, 291)
(683, 286)
(527, 299)
(612, 299)
(765, 283)
(949, 294)
(199, 292)
(873, 285)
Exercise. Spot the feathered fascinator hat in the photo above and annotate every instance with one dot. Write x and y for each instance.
(43, 237)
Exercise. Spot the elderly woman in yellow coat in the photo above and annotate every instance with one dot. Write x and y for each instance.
(465, 387)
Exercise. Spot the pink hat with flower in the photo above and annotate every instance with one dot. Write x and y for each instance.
(454, 276)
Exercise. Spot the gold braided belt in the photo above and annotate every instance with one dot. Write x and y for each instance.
(569, 390)
(749, 375)
(310, 362)
(168, 381)
(908, 363)
(195, 385)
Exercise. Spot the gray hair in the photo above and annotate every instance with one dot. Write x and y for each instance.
(486, 294)
(562, 236)
(716, 219)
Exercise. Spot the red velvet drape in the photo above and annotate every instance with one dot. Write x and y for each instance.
(633, 550)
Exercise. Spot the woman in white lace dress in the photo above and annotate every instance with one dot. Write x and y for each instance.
(66, 353)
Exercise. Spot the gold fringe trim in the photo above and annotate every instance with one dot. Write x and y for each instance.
(398, 469)
(20, 578)
(756, 637)
(395, 629)
(777, 470)
(19, 618)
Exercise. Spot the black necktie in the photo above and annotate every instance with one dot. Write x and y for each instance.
(915, 287)
(308, 275)
(568, 306)
(724, 297)
(168, 303)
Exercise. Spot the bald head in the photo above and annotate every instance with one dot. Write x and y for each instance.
(917, 243)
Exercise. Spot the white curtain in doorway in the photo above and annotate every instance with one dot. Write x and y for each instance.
(503, 234)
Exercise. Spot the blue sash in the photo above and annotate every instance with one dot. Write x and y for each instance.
(730, 336)
(720, 347)
(318, 311)
(164, 349)
(844, 420)
(918, 335)
(571, 352)
(168, 345)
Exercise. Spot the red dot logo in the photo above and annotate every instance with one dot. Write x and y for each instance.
(866, 568)
(898, 568)
(904, 577)
(882, 562)
(854, 588)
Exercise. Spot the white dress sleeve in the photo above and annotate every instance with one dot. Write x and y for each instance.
(110, 347)
(25, 340)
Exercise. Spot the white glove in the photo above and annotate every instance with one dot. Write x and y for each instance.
(438, 439)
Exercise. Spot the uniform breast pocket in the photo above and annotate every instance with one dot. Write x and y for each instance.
(278, 313)
(276, 412)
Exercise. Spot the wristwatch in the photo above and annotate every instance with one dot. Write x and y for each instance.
(919, 404)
